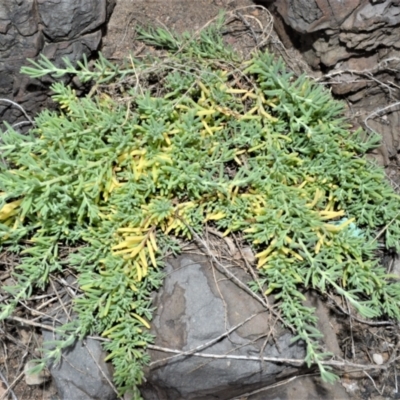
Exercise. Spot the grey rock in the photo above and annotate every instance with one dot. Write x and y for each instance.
(303, 388)
(395, 265)
(311, 16)
(69, 19)
(356, 43)
(68, 28)
(81, 373)
(195, 305)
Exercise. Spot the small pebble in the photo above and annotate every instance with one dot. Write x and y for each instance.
(35, 379)
(248, 254)
(378, 359)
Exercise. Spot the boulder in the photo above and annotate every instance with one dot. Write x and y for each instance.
(68, 28)
(196, 306)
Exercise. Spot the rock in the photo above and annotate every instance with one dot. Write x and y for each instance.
(81, 373)
(356, 44)
(35, 378)
(303, 388)
(60, 24)
(351, 386)
(396, 265)
(196, 305)
(248, 254)
(68, 28)
(378, 358)
(310, 16)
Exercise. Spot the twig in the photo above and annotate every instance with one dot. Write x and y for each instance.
(227, 272)
(204, 345)
(247, 25)
(255, 19)
(373, 382)
(21, 108)
(8, 387)
(21, 123)
(263, 389)
(379, 112)
(60, 300)
(53, 312)
(252, 273)
(31, 323)
(101, 370)
(49, 327)
(291, 361)
(219, 290)
(35, 312)
(364, 72)
(363, 321)
(353, 350)
(44, 296)
(46, 303)
(71, 289)
(393, 355)
(387, 225)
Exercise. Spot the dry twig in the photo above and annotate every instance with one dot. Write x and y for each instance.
(204, 345)
(8, 388)
(21, 108)
(290, 361)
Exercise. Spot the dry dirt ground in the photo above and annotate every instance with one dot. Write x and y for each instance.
(358, 342)
(177, 15)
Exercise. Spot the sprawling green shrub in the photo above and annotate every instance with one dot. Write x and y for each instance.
(161, 147)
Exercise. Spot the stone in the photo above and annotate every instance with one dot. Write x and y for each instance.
(378, 358)
(309, 16)
(305, 388)
(362, 36)
(35, 378)
(57, 29)
(197, 304)
(82, 373)
(396, 265)
(59, 23)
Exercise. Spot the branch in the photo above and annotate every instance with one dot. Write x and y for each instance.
(21, 108)
(293, 361)
(209, 343)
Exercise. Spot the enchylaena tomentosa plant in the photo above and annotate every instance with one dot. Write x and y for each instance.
(244, 146)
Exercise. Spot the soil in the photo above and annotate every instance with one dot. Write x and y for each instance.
(358, 341)
(176, 15)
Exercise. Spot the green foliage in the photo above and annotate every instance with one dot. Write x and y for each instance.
(244, 146)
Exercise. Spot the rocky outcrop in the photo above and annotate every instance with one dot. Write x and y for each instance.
(356, 45)
(68, 28)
